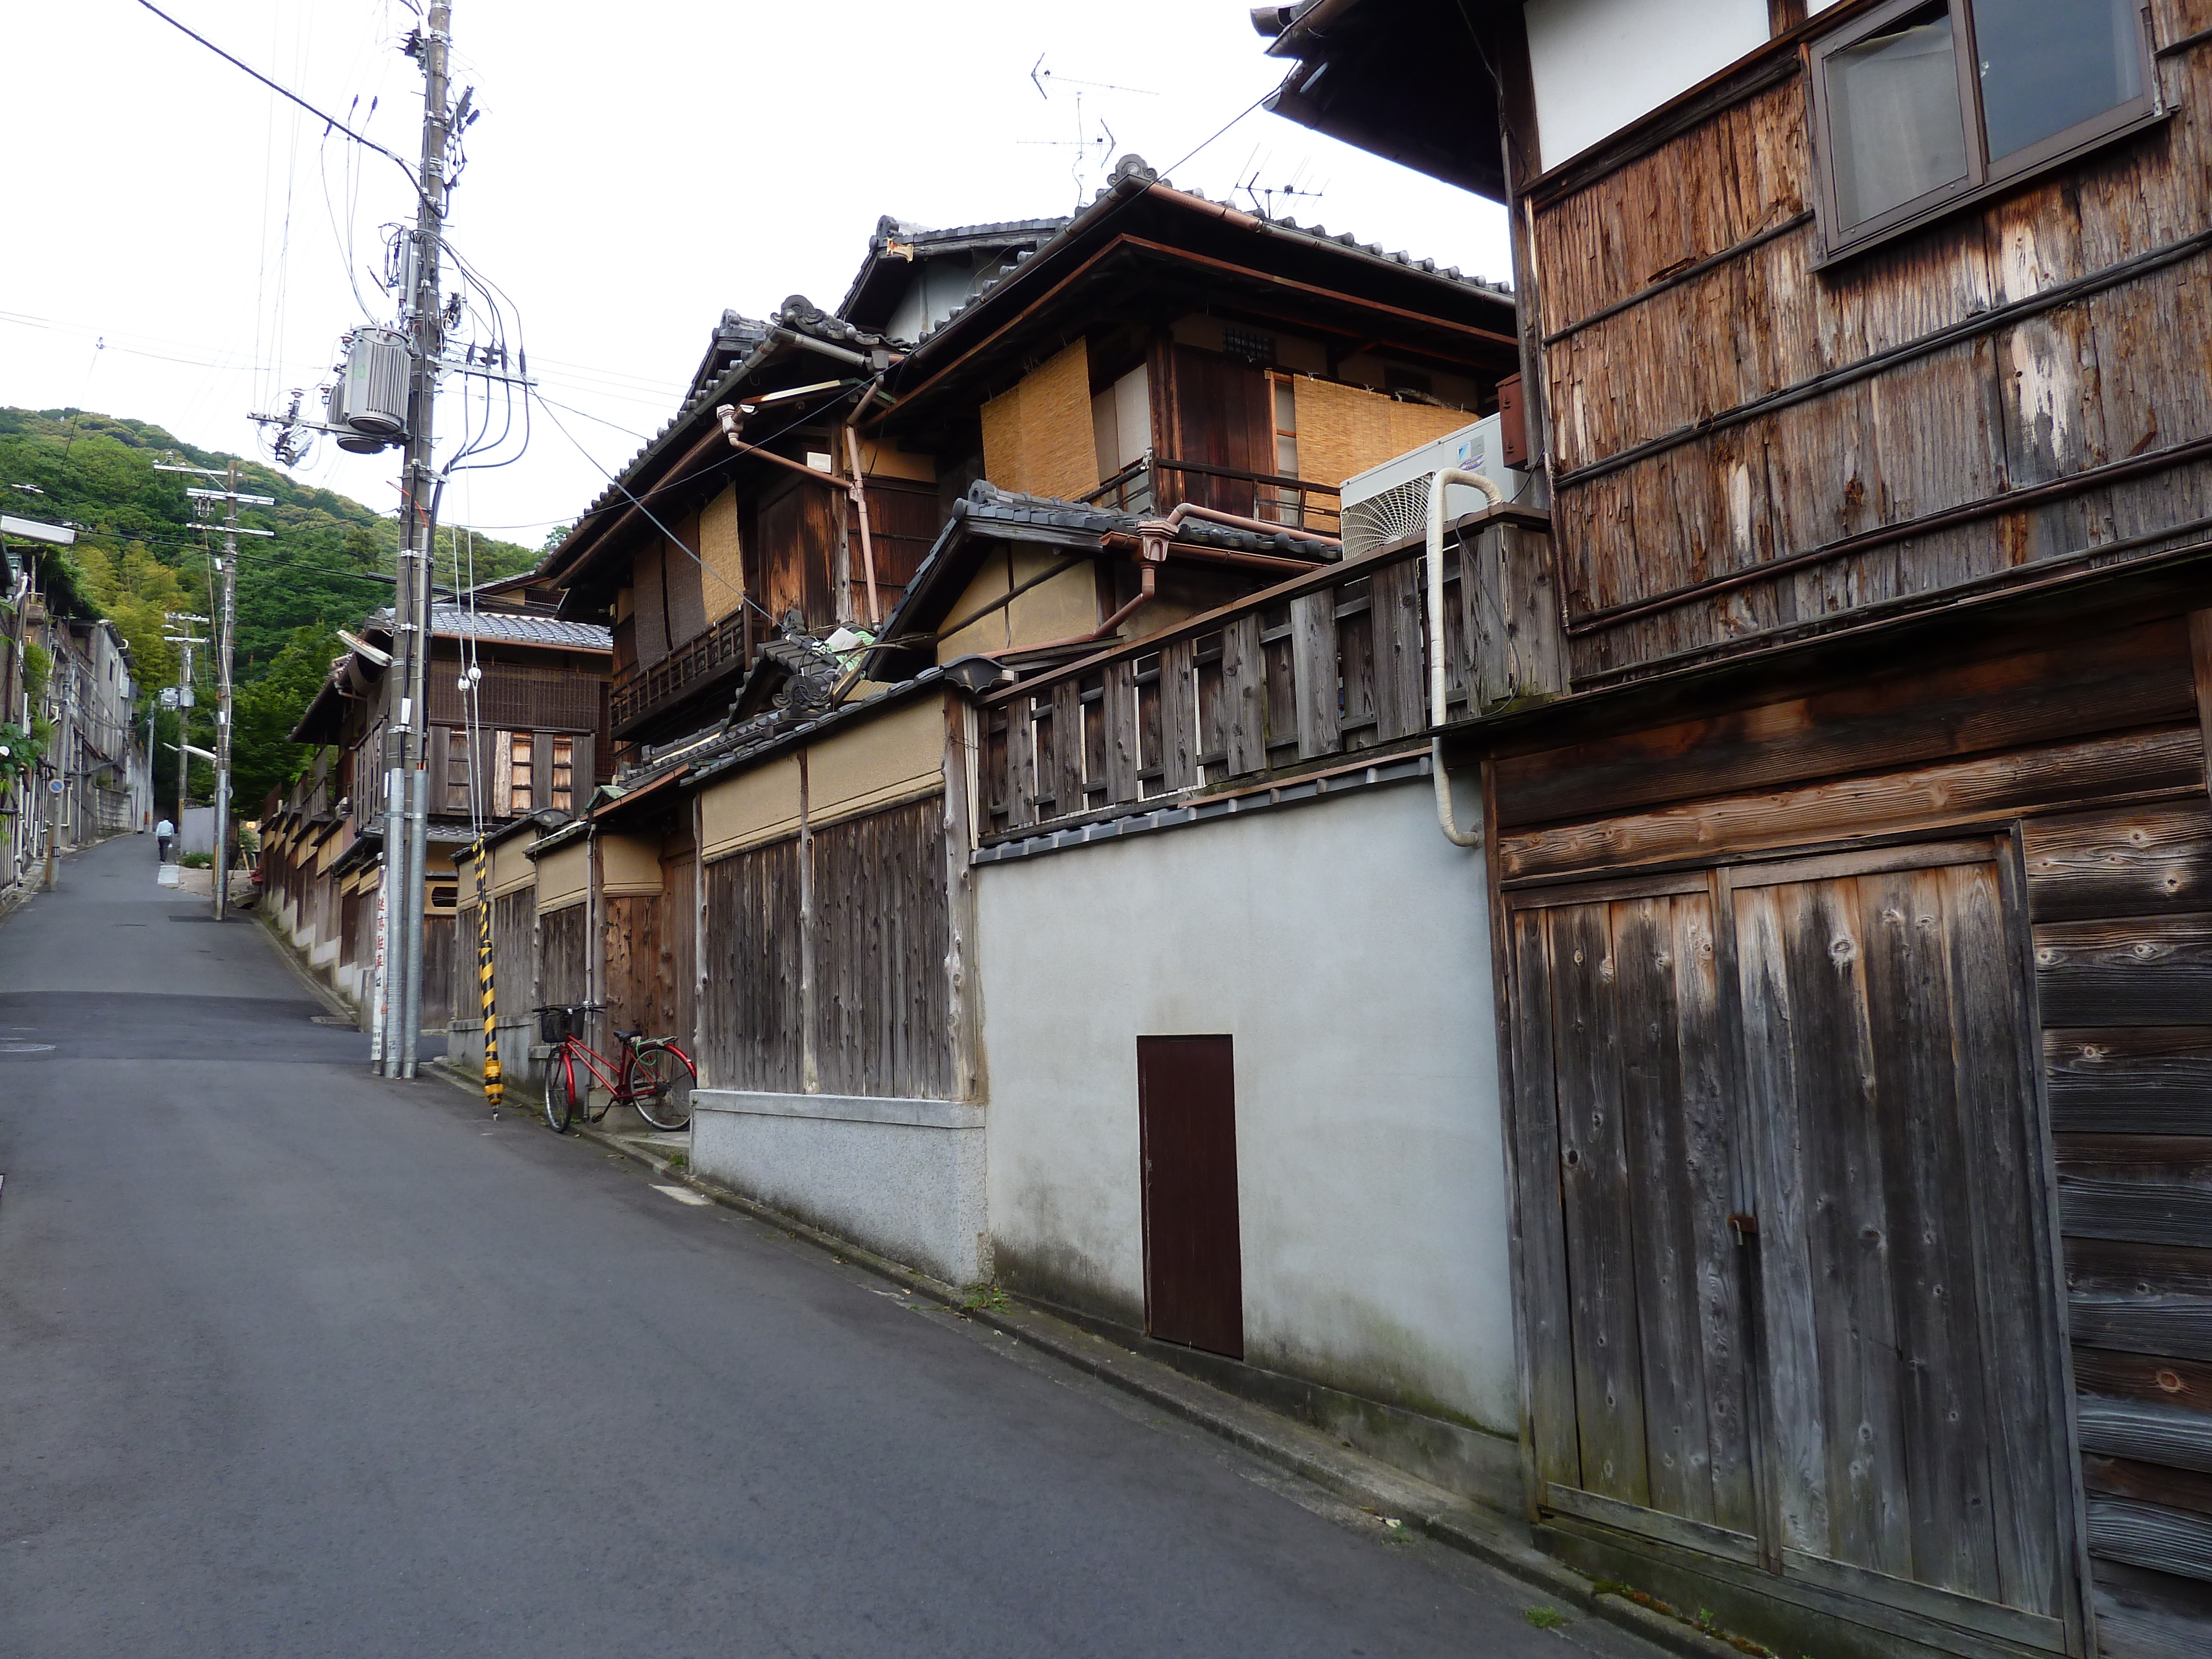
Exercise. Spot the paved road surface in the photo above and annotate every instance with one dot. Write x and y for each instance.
(294, 1362)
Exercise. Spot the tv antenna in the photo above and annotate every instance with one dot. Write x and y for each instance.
(1263, 196)
(1091, 148)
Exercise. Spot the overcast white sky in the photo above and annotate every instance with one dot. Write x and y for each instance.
(637, 168)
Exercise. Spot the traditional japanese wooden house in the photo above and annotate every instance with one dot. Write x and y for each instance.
(1852, 898)
(1105, 428)
(518, 707)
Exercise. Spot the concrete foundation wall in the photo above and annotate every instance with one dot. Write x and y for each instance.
(1344, 945)
(516, 1040)
(903, 1178)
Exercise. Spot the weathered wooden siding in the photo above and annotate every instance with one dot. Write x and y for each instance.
(2093, 749)
(825, 962)
(1719, 407)
(640, 985)
(751, 1029)
(514, 955)
(437, 972)
(882, 1021)
(562, 969)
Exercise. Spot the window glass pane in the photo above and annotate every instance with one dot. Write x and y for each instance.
(1893, 115)
(2049, 64)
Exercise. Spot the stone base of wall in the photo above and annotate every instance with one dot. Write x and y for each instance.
(519, 1073)
(903, 1178)
(1461, 1458)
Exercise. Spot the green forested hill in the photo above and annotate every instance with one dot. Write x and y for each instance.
(141, 551)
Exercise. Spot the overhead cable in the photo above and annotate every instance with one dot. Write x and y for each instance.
(330, 121)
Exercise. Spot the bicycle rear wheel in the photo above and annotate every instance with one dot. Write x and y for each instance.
(560, 1092)
(673, 1075)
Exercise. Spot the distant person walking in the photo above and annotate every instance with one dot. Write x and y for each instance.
(164, 833)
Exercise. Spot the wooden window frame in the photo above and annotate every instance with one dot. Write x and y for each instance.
(560, 773)
(522, 746)
(1984, 178)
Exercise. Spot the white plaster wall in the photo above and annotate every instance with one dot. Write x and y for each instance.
(903, 1177)
(1345, 946)
(1598, 64)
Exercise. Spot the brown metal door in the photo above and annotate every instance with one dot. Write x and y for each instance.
(1910, 1295)
(1187, 1130)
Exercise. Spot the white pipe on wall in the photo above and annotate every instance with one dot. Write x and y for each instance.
(1439, 481)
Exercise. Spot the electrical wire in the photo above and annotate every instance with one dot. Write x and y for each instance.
(328, 120)
(685, 481)
(692, 477)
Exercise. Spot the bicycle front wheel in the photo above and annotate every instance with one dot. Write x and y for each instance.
(671, 1074)
(560, 1092)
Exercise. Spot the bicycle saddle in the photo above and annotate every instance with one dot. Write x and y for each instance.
(624, 1036)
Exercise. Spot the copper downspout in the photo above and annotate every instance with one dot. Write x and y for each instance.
(1237, 522)
(1198, 550)
(1143, 597)
(728, 415)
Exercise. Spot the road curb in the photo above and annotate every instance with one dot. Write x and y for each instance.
(267, 926)
(1498, 1540)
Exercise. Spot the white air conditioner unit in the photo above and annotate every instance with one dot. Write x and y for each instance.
(1388, 501)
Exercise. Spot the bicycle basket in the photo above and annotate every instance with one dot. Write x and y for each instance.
(559, 1025)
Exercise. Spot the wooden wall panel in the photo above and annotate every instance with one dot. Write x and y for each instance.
(880, 1022)
(2097, 749)
(648, 602)
(638, 992)
(2113, 681)
(1649, 345)
(563, 948)
(882, 1006)
(750, 1025)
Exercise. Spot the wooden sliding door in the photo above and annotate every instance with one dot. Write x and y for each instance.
(1630, 1147)
(1780, 1145)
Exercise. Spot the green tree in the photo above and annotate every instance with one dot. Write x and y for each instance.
(263, 756)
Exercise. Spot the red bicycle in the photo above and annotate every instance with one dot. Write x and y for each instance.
(651, 1073)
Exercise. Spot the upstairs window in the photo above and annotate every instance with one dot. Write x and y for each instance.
(562, 792)
(1922, 104)
(520, 798)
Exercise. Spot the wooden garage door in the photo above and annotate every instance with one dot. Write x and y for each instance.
(1909, 1299)
(1630, 1149)
(1780, 1141)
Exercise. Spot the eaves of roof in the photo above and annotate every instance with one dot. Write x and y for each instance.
(327, 705)
(1133, 178)
(921, 240)
(543, 819)
(988, 514)
(798, 326)
(453, 622)
(794, 736)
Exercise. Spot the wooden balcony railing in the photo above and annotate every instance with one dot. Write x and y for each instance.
(647, 692)
(1154, 484)
(1324, 664)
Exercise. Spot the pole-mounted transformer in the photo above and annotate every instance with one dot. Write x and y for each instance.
(369, 402)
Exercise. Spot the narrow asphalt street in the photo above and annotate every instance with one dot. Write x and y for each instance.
(296, 1362)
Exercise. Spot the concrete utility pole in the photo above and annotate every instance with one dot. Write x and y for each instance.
(225, 632)
(65, 729)
(406, 827)
(183, 642)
